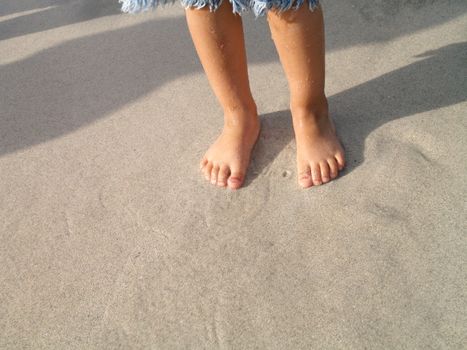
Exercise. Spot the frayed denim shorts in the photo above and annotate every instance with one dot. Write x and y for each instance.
(258, 7)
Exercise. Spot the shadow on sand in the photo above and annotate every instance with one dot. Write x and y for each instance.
(63, 88)
(49, 14)
(436, 81)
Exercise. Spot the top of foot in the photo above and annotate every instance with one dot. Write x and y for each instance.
(226, 161)
(320, 155)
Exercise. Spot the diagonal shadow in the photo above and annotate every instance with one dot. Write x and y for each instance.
(62, 13)
(9, 7)
(75, 83)
(367, 21)
(435, 81)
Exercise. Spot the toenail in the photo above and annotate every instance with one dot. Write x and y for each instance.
(234, 183)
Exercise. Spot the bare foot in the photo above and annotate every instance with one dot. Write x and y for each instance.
(320, 155)
(226, 161)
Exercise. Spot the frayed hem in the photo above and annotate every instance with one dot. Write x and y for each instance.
(139, 6)
(261, 8)
(258, 7)
(237, 6)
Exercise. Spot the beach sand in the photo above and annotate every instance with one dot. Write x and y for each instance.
(112, 239)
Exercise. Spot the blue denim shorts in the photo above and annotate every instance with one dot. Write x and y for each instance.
(258, 7)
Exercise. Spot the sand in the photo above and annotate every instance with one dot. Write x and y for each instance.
(112, 239)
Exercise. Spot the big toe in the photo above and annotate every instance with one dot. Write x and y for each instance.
(236, 179)
(304, 177)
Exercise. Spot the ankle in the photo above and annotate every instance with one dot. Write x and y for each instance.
(316, 108)
(241, 115)
(316, 111)
(248, 107)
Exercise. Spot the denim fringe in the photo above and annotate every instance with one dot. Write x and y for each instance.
(259, 7)
(137, 6)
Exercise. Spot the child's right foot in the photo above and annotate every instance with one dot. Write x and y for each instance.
(226, 161)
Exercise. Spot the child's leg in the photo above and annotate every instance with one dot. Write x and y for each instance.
(219, 42)
(299, 39)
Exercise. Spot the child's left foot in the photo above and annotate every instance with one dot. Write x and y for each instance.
(320, 156)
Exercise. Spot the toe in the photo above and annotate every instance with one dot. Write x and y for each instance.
(333, 168)
(214, 173)
(203, 162)
(207, 170)
(316, 174)
(325, 177)
(340, 160)
(304, 177)
(224, 172)
(235, 179)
